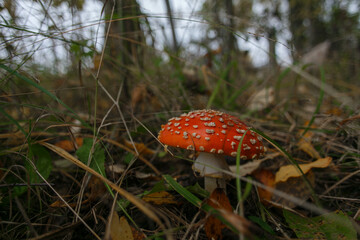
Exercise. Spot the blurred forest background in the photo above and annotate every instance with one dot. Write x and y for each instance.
(115, 70)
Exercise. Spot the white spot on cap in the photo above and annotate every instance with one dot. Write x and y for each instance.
(177, 119)
(176, 124)
(253, 141)
(221, 120)
(201, 149)
(220, 151)
(186, 124)
(233, 154)
(207, 138)
(185, 133)
(177, 132)
(212, 124)
(193, 134)
(213, 150)
(254, 156)
(259, 138)
(195, 126)
(186, 119)
(240, 130)
(237, 137)
(190, 147)
(224, 126)
(210, 131)
(233, 145)
(198, 136)
(223, 131)
(246, 147)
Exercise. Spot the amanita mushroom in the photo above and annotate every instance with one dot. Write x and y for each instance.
(213, 134)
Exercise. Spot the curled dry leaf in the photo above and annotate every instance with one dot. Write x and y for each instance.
(140, 147)
(213, 226)
(289, 171)
(160, 198)
(120, 228)
(68, 145)
(305, 145)
(294, 186)
(267, 178)
(247, 168)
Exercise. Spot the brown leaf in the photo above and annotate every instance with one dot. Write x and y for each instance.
(97, 189)
(267, 178)
(160, 198)
(120, 228)
(289, 171)
(60, 204)
(68, 145)
(295, 186)
(140, 147)
(214, 226)
(137, 235)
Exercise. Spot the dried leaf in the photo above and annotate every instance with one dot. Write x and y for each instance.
(307, 147)
(117, 168)
(120, 228)
(214, 226)
(60, 204)
(97, 189)
(267, 178)
(160, 198)
(137, 235)
(304, 143)
(247, 168)
(289, 171)
(68, 145)
(261, 99)
(296, 187)
(240, 223)
(140, 147)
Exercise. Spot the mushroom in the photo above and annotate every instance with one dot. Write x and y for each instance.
(213, 134)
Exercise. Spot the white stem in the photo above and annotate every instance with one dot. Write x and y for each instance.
(211, 166)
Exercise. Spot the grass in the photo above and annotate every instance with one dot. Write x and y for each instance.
(45, 188)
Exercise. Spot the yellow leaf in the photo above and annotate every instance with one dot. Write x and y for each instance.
(289, 171)
(305, 145)
(160, 198)
(120, 228)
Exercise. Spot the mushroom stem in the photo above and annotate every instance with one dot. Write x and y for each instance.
(211, 167)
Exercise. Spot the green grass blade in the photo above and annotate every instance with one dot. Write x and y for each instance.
(321, 96)
(32, 83)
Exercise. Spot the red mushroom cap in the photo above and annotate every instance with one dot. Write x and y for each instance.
(211, 131)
